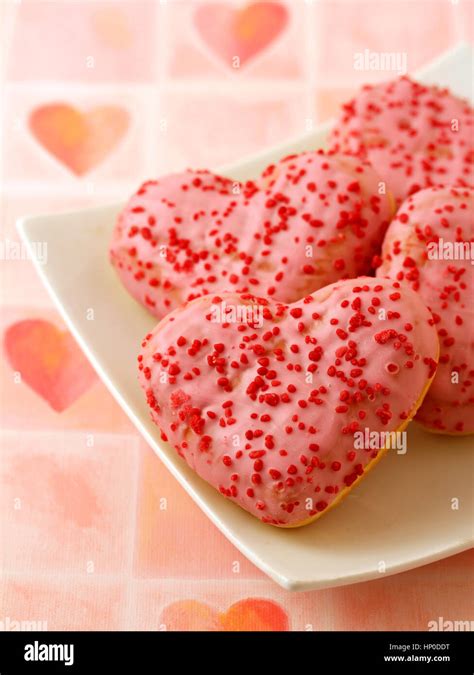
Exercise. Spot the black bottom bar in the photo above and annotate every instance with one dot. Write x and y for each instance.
(379, 652)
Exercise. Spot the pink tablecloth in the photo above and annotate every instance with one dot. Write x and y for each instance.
(95, 534)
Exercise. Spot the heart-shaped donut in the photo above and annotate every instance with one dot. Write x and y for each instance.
(276, 405)
(415, 136)
(309, 220)
(430, 245)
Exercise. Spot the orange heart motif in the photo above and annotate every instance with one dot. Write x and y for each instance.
(242, 33)
(49, 361)
(79, 140)
(111, 27)
(251, 614)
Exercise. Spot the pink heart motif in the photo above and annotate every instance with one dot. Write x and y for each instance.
(79, 140)
(240, 33)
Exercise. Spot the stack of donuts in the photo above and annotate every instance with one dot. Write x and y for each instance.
(330, 297)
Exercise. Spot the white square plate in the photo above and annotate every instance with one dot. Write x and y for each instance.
(401, 516)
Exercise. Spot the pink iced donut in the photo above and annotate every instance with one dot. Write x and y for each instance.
(310, 220)
(420, 248)
(273, 404)
(414, 136)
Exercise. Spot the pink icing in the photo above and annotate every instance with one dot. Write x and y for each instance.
(414, 136)
(415, 236)
(267, 413)
(310, 220)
